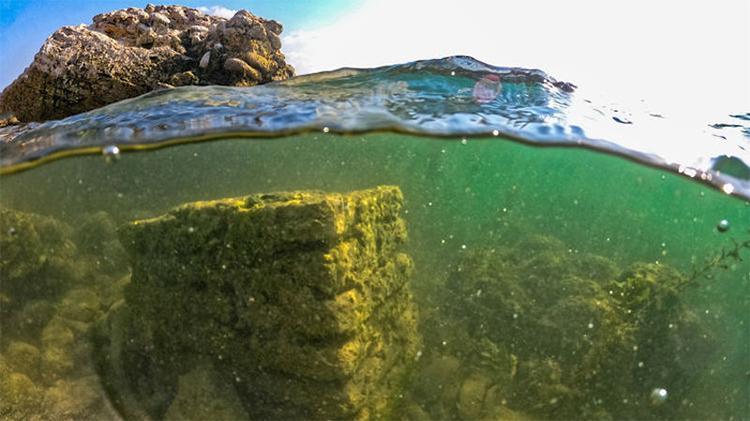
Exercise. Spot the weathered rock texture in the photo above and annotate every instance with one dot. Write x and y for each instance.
(535, 331)
(51, 293)
(129, 52)
(300, 300)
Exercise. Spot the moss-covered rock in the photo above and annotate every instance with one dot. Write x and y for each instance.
(24, 358)
(302, 296)
(96, 236)
(33, 249)
(81, 305)
(79, 398)
(566, 323)
(202, 394)
(19, 396)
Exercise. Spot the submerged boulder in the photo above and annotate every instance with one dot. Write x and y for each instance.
(129, 52)
(551, 329)
(299, 300)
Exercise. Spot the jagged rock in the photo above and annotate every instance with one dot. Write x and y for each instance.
(129, 52)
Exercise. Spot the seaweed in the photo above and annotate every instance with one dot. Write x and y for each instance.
(720, 261)
(541, 332)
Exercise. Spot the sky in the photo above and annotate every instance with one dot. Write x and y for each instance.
(686, 58)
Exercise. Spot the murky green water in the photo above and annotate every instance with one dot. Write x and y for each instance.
(547, 283)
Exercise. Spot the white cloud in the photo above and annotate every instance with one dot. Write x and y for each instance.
(692, 57)
(220, 11)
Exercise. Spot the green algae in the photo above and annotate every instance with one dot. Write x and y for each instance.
(256, 283)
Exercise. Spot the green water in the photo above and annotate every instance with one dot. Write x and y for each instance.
(464, 203)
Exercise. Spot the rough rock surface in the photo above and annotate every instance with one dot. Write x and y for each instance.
(301, 300)
(129, 52)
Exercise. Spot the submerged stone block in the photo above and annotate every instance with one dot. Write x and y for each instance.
(302, 296)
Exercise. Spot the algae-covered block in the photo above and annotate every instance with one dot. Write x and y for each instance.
(303, 296)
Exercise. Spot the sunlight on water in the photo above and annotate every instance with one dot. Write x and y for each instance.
(453, 97)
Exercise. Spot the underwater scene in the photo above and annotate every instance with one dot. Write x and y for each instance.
(438, 240)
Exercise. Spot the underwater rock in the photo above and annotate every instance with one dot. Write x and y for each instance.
(132, 51)
(35, 251)
(96, 235)
(38, 263)
(75, 399)
(551, 328)
(31, 319)
(24, 358)
(19, 396)
(471, 396)
(202, 395)
(81, 305)
(302, 297)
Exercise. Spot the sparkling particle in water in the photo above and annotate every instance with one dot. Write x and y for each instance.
(658, 396)
(728, 188)
(464, 141)
(640, 364)
(591, 325)
(111, 153)
(11, 231)
(326, 129)
(723, 225)
(496, 132)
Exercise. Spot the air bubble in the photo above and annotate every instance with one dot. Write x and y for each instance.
(464, 141)
(111, 153)
(658, 396)
(723, 225)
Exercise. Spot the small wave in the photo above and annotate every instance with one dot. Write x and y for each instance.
(454, 97)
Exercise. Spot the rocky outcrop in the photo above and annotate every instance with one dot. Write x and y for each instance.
(129, 52)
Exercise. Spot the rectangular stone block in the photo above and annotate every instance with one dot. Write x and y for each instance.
(303, 295)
